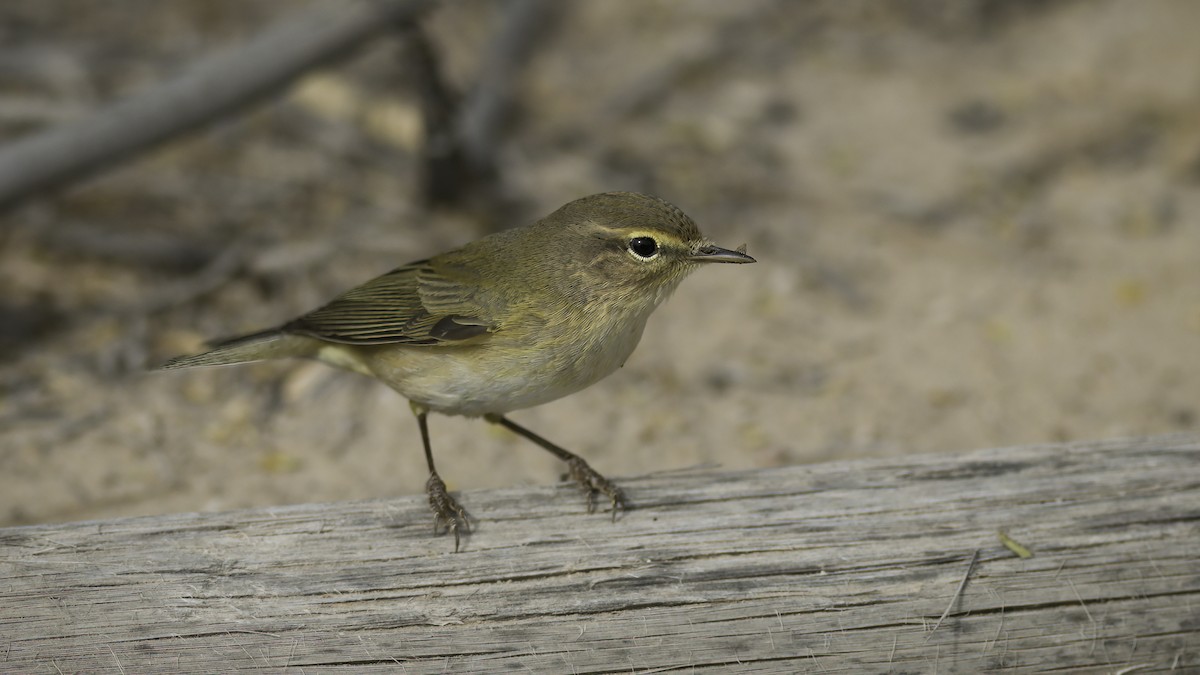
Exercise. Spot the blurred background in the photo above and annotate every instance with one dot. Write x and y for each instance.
(975, 220)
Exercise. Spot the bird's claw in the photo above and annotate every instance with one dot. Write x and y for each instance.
(593, 483)
(446, 509)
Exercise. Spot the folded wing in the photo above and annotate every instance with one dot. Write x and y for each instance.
(415, 305)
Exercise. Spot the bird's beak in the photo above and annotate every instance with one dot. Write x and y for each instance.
(710, 253)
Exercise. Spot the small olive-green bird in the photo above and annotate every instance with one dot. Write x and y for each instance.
(513, 320)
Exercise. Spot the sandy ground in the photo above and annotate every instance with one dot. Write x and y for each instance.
(977, 224)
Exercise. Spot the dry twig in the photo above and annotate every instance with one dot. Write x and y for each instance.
(223, 82)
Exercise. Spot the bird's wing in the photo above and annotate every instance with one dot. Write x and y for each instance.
(417, 304)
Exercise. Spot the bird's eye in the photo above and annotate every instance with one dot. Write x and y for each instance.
(643, 247)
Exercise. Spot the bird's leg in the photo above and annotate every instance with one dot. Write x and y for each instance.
(588, 478)
(446, 509)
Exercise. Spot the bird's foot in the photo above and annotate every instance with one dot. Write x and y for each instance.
(593, 483)
(446, 509)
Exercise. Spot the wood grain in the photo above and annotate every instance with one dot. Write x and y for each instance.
(840, 567)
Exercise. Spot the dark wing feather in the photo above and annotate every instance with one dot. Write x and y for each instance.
(392, 309)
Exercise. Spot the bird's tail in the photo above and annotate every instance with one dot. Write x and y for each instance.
(269, 344)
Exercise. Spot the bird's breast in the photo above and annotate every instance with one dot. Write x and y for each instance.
(519, 366)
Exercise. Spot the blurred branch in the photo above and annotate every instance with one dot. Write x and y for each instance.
(463, 134)
(445, 172)
(147, 249)
(489, 104)
(225, 81)
(654, 85)
(212, 276)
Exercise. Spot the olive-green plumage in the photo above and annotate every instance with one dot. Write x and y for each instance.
(510, 321)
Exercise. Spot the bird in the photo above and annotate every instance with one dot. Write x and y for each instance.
(513, 320)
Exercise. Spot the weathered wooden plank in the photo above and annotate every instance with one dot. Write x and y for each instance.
(842, 567)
